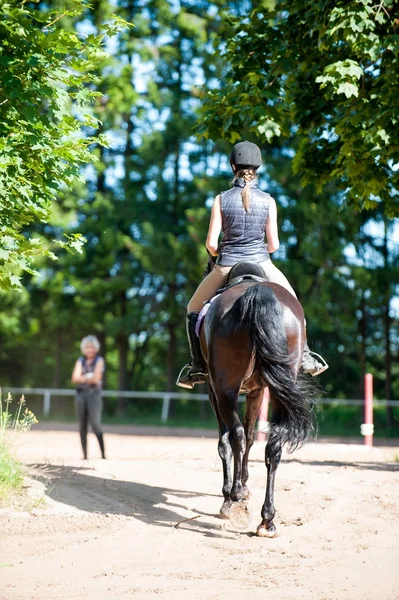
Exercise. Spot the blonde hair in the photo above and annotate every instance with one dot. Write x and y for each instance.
(248, 174)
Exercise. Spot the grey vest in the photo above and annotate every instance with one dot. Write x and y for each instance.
(243, 232)
(88, 369)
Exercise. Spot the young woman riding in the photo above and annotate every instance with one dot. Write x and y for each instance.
(245, 215)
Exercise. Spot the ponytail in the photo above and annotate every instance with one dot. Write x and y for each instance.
(247, 174)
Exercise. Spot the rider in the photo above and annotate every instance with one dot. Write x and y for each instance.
(244, 214)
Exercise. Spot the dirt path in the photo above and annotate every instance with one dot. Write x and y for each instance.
(105, 528)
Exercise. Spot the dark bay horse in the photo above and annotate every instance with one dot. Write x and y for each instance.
(253, 337)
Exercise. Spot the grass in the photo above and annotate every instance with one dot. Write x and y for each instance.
(11, 474)
(11, 469)
(345, 421)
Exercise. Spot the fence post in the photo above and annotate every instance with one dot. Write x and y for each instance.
(367, 428)
(262, 419)
(46, 402)
(165, 408)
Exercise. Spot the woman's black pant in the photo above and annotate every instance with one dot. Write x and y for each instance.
(89, 406)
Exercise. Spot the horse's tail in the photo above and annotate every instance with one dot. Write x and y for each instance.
(291, 395)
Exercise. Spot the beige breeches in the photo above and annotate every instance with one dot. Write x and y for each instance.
(215, 280)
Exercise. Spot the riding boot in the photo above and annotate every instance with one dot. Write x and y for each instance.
(310, 362)
(83, 439)
(101, 442)
(197, 371)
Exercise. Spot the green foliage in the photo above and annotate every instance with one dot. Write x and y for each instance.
(11, 470)
(47, 77)
(143, 211)
(335, 420)
(326, 74)
(143, 207)
(11, 474)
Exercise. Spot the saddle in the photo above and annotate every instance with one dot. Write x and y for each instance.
(241, 272)
(236, 280)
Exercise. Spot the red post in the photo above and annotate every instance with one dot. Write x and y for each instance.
(262, 418)
(367, 428)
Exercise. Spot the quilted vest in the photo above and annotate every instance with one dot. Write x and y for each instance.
(88, 369)
(243, 232)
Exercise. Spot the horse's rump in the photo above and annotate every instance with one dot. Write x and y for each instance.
(254, 335)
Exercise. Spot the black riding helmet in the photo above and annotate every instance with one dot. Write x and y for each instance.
(246, 154)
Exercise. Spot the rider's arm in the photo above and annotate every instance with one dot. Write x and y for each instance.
(273, 243)
(215, 225)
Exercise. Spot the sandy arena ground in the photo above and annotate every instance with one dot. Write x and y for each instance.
(101, 529)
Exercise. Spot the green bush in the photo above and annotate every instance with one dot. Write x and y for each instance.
(346, 420)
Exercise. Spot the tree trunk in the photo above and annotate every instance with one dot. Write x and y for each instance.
(172, 350)
(387, 327)
(388, 361)
(363, 343)
(123, 350)
(122, 341)
(58, 358)
(137, 360)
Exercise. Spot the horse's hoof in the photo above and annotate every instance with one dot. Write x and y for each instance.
(246, 494)
(240, 515)
(267, 532)
(225, 510)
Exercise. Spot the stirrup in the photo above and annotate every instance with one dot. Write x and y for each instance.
(188, 385)
(319, 364)
(189, 380)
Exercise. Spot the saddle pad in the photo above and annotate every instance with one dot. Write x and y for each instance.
(202, 314)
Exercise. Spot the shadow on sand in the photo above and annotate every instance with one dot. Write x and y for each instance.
(367, 466)
(84, 489)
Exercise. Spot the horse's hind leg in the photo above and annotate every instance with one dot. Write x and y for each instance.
(272, 458)
(227, 402)
(225, 453)
(253, 404)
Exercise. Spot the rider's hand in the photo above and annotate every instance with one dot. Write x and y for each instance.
(212, 257)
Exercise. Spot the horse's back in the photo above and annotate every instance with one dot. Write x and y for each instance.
(222, 309)
(227, 338)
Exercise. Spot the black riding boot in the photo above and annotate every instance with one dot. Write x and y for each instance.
(101, 443)
(83, 439)
(197, 371)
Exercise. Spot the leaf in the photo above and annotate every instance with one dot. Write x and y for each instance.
(269, 129)
(349, 89)
(383, 135)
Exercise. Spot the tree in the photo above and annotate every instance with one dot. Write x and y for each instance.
(144, 209)
(46, 77)
(326, 74)
(145, 222)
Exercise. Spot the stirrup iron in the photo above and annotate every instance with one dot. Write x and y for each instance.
(318, 360)
(197, 376)
(187, 386)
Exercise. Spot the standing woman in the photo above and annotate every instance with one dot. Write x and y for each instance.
(247, 218)
(88, 376)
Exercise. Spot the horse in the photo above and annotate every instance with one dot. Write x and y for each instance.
(253, 336)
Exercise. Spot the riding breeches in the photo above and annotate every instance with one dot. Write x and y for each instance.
(216, 278)
(89, 407)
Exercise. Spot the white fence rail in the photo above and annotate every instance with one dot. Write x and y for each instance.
(166, 397)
